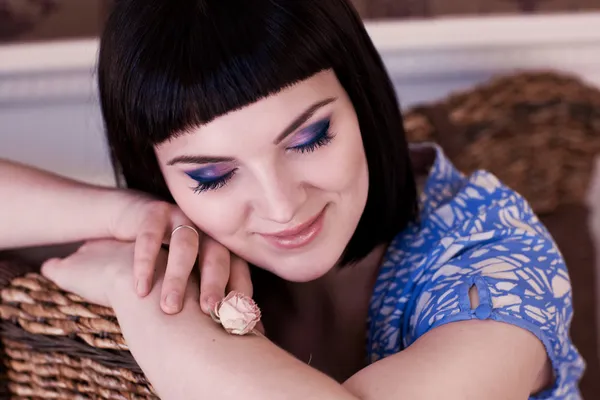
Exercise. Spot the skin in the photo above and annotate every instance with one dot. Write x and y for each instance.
(194, 358)
(275, 189)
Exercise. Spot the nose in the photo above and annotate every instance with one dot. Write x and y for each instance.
(278, 196)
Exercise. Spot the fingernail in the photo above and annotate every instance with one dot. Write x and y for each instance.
(210, 302)
(172, 300)
(141, 287)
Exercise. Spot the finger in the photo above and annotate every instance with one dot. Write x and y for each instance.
(59, 272)
(214, 273)
(240, 280)
(147, 246)
(49, 267)
(239, 277)
(183, 253)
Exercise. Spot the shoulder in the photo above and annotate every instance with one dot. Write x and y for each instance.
(458, 213)
(474, 233)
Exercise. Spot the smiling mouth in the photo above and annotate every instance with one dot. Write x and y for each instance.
(298, 236)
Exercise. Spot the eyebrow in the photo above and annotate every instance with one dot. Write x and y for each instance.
(302, 118)
(291, 128)
(199, 160)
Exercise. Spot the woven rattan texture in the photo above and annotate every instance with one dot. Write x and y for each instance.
(539, 132)
(40, 307)
(51, 375)
(58, 346)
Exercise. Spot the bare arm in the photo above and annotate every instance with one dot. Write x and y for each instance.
(461, 360)
(193, 358)
(188, 356)
(40, 208)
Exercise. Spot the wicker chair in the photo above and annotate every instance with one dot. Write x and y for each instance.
(58, 346)
(537, 131)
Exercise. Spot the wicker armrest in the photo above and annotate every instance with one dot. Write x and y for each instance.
(58, 346)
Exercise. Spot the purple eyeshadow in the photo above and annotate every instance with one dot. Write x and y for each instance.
(310, 134)
(211, 173)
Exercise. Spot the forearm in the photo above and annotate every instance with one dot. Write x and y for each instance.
(39, 208)
(475, 359)
(188, 356)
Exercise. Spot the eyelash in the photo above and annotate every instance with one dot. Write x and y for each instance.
(322, 140)
(216, 184)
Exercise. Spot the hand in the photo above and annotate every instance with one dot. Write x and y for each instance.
(150, 222)
(93, 269)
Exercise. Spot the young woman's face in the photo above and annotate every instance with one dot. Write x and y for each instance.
(282, 182)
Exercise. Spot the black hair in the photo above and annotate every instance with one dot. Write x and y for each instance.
(167, 66)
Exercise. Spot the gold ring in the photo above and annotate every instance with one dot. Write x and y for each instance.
(188, 227)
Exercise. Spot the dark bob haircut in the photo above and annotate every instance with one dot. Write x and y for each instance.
(166, 66)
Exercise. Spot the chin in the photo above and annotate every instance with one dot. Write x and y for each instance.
(306, 271)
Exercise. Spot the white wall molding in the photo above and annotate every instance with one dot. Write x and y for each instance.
(429, 59)
(485, 32)
(439, 51)
(48, 56)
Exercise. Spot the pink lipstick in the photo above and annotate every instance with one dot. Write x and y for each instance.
(298, 236)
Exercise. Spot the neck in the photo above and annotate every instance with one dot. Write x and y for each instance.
(341, 288)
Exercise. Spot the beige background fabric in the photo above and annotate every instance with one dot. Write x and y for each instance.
(35, 20)
(434, 8)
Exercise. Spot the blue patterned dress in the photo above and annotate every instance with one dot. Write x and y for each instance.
(474, 231)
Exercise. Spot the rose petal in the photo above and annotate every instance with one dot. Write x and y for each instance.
(237, 313)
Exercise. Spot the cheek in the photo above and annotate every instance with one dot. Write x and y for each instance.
(343, 168)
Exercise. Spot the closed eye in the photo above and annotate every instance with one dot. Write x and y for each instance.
(214, 184)
(312, 137)
(210, 178)
(307, 140)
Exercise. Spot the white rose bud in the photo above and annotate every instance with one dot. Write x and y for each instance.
(237, 313)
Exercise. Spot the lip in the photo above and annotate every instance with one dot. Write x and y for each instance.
(298, 236)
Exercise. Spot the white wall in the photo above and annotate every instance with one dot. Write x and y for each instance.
(49, 113)
(64, 136)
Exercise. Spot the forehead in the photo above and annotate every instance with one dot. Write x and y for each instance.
(266, 116)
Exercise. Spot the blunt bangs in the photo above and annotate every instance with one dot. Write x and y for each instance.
(167, 66)
(181, 64)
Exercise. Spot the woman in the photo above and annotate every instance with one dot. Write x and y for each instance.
(273, 126)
